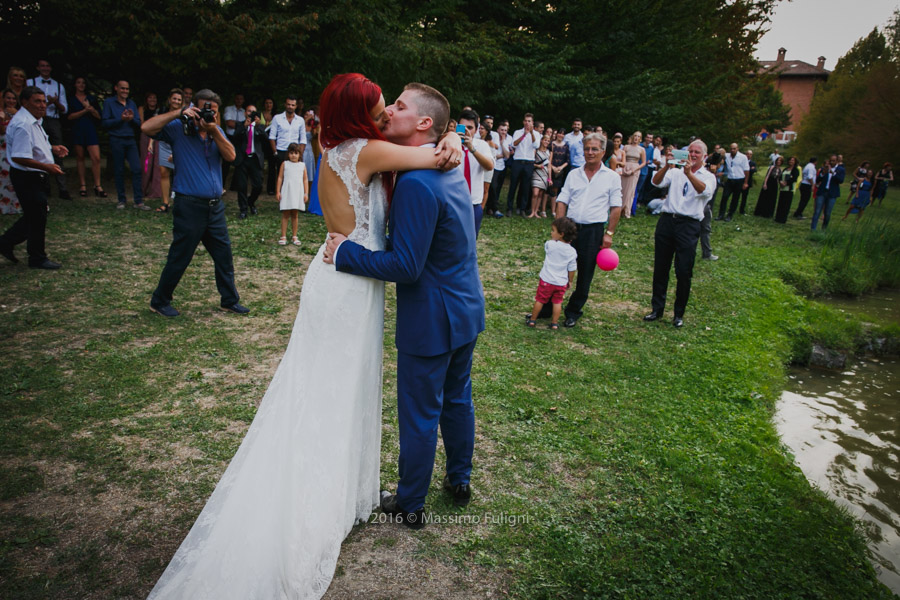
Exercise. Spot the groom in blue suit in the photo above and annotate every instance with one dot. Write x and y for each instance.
(440, 308)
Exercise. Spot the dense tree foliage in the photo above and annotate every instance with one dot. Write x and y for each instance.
(679, 66)
(857, 112)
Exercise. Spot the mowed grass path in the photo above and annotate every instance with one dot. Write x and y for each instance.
(618, 459)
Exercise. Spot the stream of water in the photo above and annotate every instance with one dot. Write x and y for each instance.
(844, 430)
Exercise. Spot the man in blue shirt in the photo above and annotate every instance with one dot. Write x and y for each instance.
(198, 148)
(120, 118)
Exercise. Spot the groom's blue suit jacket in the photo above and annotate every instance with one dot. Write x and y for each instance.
(431, 255)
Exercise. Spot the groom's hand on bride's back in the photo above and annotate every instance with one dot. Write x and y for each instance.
(331, 244)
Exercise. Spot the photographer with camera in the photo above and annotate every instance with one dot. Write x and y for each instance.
(250, 141)
(198, 147)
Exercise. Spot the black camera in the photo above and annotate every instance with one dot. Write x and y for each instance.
(253, 115)
(206, 113)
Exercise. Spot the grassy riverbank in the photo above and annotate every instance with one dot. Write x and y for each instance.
(617, 459)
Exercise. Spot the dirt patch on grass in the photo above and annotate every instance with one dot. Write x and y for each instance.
(384, 561)
(96, 543)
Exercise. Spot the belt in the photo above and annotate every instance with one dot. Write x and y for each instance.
(588, 225)
(678, 217)
(24, 173)
(210, 201)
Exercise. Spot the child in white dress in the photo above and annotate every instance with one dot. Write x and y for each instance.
(293, 192)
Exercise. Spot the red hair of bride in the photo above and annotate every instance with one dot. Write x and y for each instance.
(345, 106)
(345, 114)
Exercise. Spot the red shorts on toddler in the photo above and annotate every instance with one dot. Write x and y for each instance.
(547, 292)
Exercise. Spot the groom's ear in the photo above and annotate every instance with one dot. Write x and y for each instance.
(425, 123)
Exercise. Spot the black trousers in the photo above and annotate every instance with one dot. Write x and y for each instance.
(493, 203)
(271, 171)
(676, 237)
(196, 220)
(248, 169)
(744, 194)
(706, 230)
(587, 245)
(520, 177)
(783, 208)
(32, 225)
(805, 195)
(53, 128)
(732, 190)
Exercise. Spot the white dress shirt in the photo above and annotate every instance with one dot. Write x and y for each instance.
(497, 153)
(233, 113)
(285, 133)
(25, 138)
(52, 88)
(589, 200)
(683, 199)
(525, 149)
(738, 166)
(476, 171)
(809, 174)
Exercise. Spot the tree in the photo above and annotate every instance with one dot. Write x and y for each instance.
(856, 112)
(679, 66)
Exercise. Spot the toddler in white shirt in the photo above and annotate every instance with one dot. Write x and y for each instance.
(558, 271)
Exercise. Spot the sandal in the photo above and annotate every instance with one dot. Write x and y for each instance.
(530, 322)
(554, 325)
(99, 192)
(83, 191)
(295, 241)
(163, 209)
(282, 241)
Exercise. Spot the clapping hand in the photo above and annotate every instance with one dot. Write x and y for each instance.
(127, 114)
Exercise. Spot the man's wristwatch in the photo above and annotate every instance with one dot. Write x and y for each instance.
(609, 233)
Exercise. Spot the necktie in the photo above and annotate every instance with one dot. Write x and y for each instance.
(250, 140)
(468, 172)
(45, 81)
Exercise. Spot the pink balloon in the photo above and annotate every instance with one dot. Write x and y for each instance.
(607, 259)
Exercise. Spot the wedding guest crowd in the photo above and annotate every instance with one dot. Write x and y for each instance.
(538, 161)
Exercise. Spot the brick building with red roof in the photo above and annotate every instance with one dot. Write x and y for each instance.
(797, 81)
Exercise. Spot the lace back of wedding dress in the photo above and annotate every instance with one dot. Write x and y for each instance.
(308, 469)
(367, 200)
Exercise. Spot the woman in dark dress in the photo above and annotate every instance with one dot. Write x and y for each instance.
(882, 180)
(765, 205)
(559, 162)
(84, 112)
(789, 178)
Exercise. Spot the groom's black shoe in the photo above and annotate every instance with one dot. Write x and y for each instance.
(413, 520)
(461, 492)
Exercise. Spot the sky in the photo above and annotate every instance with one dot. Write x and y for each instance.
(809, 29)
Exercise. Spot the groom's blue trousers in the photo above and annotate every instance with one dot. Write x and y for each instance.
(434, 391)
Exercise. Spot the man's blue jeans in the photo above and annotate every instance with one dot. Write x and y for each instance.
(122, 149)
(828, 205)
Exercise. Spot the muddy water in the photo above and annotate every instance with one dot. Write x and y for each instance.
(844, 430)
(882, 306)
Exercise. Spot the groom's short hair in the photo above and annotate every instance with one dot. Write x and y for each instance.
(431, 103)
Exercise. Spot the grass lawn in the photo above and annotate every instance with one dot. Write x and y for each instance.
(617, 459)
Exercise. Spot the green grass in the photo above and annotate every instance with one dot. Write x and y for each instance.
(643, 457)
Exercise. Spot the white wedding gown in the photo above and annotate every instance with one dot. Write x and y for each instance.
(308, 469)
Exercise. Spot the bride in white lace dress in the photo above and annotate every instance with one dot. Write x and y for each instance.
(308, 469)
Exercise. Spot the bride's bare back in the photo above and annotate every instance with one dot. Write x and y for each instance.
(377, 156)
